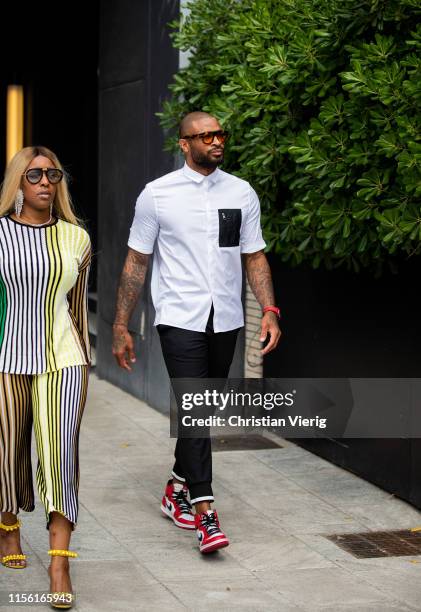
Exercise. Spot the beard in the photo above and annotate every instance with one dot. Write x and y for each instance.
(205, 160)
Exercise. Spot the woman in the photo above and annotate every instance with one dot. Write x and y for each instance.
(44, 355)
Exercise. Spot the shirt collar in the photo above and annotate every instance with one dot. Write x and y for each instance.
(197, 177)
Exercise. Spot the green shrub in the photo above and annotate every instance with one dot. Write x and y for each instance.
(322, 98)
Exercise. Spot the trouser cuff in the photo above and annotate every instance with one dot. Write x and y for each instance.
(202, 491)
(177, 476)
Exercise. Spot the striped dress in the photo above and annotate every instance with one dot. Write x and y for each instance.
(44, 359)
(43, 297)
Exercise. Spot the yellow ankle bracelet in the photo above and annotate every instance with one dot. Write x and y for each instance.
(17, 525)
(62, 553)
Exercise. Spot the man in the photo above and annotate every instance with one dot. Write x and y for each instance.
(200, 221)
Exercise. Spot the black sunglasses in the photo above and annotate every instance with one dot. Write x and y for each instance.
(34, 175)
(208, 137)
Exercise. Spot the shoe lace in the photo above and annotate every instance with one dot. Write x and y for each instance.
(210, 523)
(180, 497)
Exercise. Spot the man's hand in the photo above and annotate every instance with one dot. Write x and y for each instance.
(123, 346)
(260, 281)
(270, 326)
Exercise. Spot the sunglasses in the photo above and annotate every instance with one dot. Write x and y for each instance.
(34, 175)
(208, 137)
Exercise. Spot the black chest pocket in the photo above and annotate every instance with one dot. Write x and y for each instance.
(229, 226)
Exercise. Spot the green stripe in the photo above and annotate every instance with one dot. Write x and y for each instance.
(3, 308)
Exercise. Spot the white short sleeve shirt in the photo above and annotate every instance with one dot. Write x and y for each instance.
(197, 227)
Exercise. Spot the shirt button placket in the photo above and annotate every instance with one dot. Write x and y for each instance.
(206, 185)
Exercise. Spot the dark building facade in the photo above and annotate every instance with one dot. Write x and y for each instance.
(135, 65)
(53, 55)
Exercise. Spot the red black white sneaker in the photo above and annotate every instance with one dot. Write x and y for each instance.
(176, 506)
(209, 532)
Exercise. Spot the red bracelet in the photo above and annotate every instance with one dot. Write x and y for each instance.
(274, 309)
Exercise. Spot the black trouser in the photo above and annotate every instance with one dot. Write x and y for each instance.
(192, 354)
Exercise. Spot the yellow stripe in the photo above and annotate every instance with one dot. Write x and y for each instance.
(54, 388)
(43, 399)
(53, 282)
(72, 349)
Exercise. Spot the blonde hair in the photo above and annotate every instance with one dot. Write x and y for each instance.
(62, 205)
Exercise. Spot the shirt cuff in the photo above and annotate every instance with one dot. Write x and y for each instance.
(140, 247)
(253, 248)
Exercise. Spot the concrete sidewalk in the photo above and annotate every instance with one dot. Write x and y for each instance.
(275, 505)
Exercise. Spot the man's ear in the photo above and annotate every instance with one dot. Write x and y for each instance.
(183, 145)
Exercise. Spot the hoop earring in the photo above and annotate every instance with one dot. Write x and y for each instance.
(19, 202)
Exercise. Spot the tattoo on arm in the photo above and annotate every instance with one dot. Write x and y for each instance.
(259, 277)
(131, 283)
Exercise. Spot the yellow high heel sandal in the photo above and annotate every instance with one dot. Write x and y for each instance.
(8, 558)
(62, 600)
